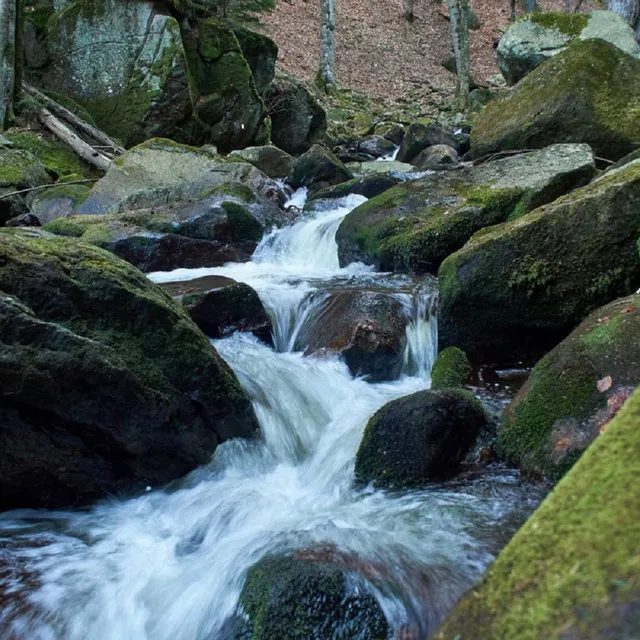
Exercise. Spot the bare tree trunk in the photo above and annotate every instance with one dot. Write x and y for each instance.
(327, 70)
(459, 16)
(629, 10)
(19, 51)
(513, 13)
(409, 12)
(7, 59)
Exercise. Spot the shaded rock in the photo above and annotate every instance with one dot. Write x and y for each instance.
(11, 206)
(376, 146)
(530, 281)
(129, 71)
(391, 131)
(368, 186)
(419, 438)
(291, 598)
(261, 54)
(21, 169)
(438, 156)
(451, 369)
(108, 385)
(416, 225)
(318, 168)
(25, 220)
(574, 391)
(367, 329)
(160, 172)
(223, 311)
(272, 161)
(478, 98)
(420, 136)
(576, 555)
(536, 37)
(297, 120)
(587, 93)
(463, 141)
(59, 201)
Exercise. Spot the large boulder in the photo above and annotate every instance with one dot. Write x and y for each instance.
(573, 392)
(124, 62)
(436, 157)
(21, 169)
(224, 225)
(318, 168)
(369, 186)
(298, 599)
(572, 570)
(419, 438)
(297, 120)
(160, 172)
(272, 161)
(107, 384)
(587, 93)
(367, 329)
(261, 54)
(516, 289)
(420, 136)
(416, 225)
(537, 37)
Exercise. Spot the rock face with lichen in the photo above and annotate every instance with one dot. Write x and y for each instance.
(107, 384)
(515, 289)
(536, 37)
(588, 93)
(574, 391)
(416, 225)
(572, 570)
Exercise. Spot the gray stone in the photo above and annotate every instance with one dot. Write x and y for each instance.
(437, 157)
(272, 161)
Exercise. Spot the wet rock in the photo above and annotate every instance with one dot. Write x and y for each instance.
(318, 168)
(587, 93)
(272, 161)
(25, 220)
(420, 136)
(574, 391)
(532, 280)
(297, 120)
(391, 131)
(376, 146)
(451, 369)
(419, 438)
(198, 285)
(436, 157)
(223, 311)
(536, 37)
(291, 598)
(576, 554)
(367, 329)
(369, 186)
(108, 385)
(417, 224)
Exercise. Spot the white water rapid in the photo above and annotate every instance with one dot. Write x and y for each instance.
(170, 564)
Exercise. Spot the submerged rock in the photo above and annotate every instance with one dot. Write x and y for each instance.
(587, 93)
(367, 329)
(298, 599)
(536, 37)
(107, 384)
(516, 289)
(419, 438)
(574, 391)
(572, 570)
(416, 225)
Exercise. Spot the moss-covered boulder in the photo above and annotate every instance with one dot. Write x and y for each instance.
(107, 384)
(127, 66)
(367, 329)
(416, 225)
(420, 136)
(318, 168)
(536, 37)
(369, 186)
(160, 172)
(261, 54)
(437, 157)
(419, 438)
(516, 289)
(58, 201)
(21, 169)
(572, 570)
(573, 392)
(225, 310)
(451, 369)
(297, 120)
(224, 225)
(272, 161)
(298, 599)
(588, 93)
(228, 110)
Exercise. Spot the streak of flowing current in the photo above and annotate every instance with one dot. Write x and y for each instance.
(170, 565)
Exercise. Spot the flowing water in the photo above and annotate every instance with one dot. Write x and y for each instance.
(170, 564)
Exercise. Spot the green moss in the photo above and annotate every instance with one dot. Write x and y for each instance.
(246, 227)
(571, 24)
(215, 39)
(233, 190)
(21, 169)
(65, 227)
(71, 105)
(451, 369)
(573, 569)
(38, 15)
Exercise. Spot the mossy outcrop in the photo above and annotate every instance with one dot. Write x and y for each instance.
(21, 169)
(272, 161)
(536, 37)
(451, 369)
(419, 438)
(318, 168)
(516, 289)
(588, 93)
(261, 54)
(574, 391)
(416, 225)
(298, 599)
(107, 384)
(572, 570)
(369, 186)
